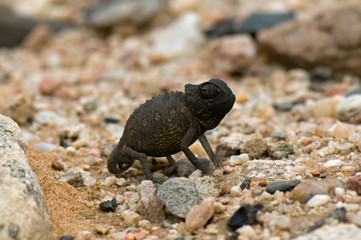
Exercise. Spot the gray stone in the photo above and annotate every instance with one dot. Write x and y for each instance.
(23, 214)
(324, 40)
(334, 232)
(281, 150)
(282, 186)
(178, 196)
(207, 187)
(123, 13)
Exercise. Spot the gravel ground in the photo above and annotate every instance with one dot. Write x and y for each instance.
(72, 85)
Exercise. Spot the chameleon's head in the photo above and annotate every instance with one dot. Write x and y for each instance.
(210, 101)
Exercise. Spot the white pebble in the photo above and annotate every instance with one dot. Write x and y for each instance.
(354, 138)
(339, 192)
(333, 163)
(236, 191)
(194, 176)
(109, 181)
(238, 159)
(325, 151)
(318, 200)
(247, 231)
(121, 182)
(131, 218)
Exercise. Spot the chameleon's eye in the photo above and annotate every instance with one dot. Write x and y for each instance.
(209, 91)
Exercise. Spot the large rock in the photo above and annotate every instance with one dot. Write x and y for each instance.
(22, 210)
(331, 38)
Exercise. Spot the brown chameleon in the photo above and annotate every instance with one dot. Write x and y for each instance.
(170, 123)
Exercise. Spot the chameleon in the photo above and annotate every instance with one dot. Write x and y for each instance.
(170, 123)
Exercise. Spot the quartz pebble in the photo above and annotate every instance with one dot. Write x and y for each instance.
(131, 218)
(238, 160)
(150, 207)
(318, 200)
(333, 163)
(199, 215)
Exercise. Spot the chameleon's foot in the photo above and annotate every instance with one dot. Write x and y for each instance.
(172, 169)
(217, 161)
(158, 180)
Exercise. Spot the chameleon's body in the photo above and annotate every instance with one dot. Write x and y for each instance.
(170, 123)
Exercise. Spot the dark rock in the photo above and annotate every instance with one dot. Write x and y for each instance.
(286, 107)
(185, 167)
(282, 186)
(339, 214)
(111, 120)
(109, 206)
(123, 13)
(252, 25)
(66, 237)
(246, 183)
(245, 215)
(259, 21)
(63, 143)
(281, 150)
(320, 74)
(15, 28)
(354, 183)
(222, 28)
(324, 40)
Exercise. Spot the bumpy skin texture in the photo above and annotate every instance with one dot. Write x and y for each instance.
(170, 123)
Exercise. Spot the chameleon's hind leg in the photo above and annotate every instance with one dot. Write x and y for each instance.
(173, 166)
(142, 157)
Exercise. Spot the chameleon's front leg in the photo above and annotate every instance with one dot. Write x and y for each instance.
(184, 146)
(207, 147)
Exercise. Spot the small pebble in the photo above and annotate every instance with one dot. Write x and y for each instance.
(246, 184)
(199, 215)
(131, 218)
(45, 147)
(55, 164)
(245, 215)
(281, 150)
(354, 183)
(255, 146)
(238, 160)
(109, 206)
(66, 237)
(264, 198)
(102, 229)
(282, 186)
(318, 200)
(333, 163)
(150, 207)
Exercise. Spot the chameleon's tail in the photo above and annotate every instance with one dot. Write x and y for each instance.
(118, 162)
